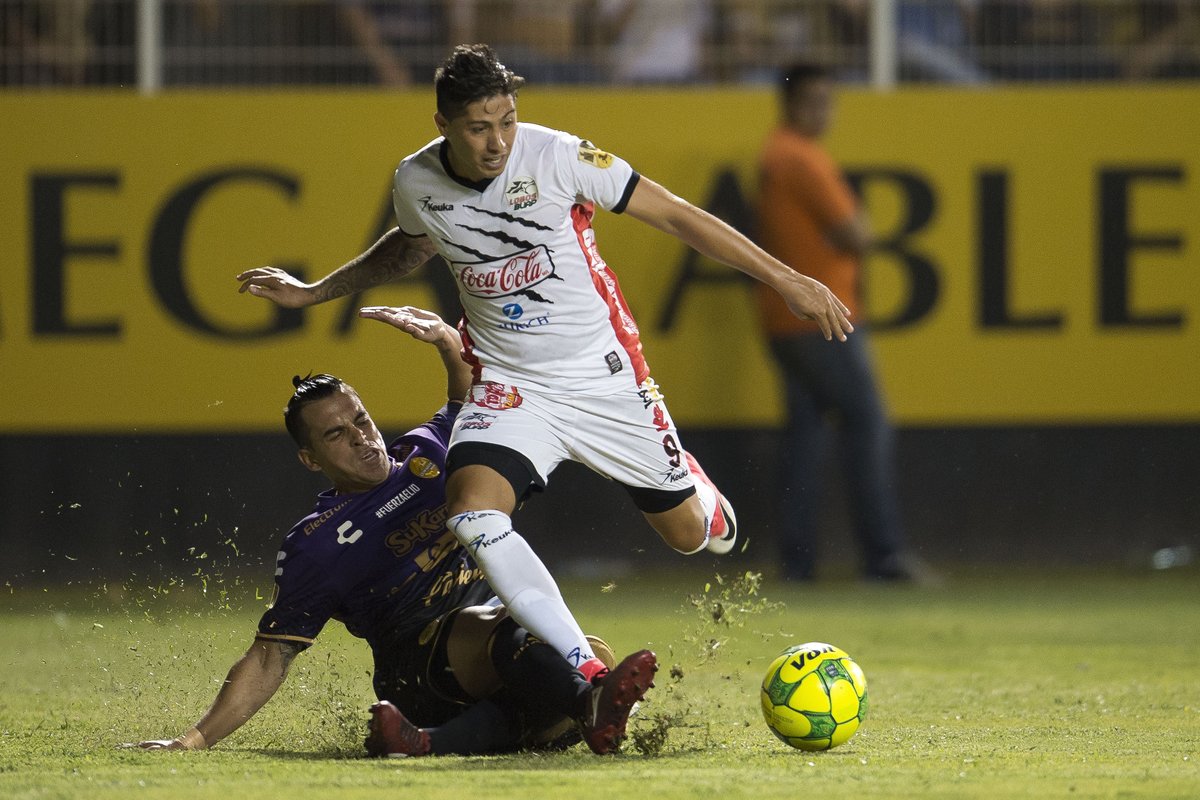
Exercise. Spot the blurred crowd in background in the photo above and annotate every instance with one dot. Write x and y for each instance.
(219, 43)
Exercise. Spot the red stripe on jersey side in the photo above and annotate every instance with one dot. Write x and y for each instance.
(468, 350)
(605, 282)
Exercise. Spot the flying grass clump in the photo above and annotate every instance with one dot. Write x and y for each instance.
(723, 605)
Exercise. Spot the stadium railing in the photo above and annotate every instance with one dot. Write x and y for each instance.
(154, 44)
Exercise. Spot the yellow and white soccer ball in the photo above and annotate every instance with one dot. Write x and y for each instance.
(814, 696)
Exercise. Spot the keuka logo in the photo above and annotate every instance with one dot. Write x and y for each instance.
(428, 204)
(481, 541)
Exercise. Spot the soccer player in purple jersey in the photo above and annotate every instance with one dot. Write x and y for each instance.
(558, 366)
(375, 554)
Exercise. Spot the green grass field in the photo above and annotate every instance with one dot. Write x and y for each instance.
(1036, 685)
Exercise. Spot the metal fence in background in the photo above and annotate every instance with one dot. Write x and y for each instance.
(151, 44)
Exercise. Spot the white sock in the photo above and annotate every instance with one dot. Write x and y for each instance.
(708, 503)
(521, 580)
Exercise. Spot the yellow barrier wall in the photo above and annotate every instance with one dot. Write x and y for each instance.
(1042, 261)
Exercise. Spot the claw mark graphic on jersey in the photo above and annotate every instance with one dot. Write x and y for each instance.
(500, 236)
(534, 296)
(528, 223)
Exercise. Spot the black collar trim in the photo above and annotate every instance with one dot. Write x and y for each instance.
(444, 155)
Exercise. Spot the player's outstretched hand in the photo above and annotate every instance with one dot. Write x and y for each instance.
(811, 299)
(422, 325)
(276, 285)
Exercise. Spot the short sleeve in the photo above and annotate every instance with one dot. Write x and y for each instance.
(436, 431)
(406, 215)
(303, 602)
(598, 176)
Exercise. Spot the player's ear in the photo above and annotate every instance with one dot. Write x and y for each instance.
(307, 459)
(441, 122)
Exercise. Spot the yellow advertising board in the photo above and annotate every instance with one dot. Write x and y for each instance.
(1039, 256)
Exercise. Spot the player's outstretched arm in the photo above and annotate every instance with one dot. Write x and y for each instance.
(426, 326)
(697, 228)
(392, 257)
(252, 681)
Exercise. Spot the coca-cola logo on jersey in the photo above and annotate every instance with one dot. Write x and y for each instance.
(506, 276)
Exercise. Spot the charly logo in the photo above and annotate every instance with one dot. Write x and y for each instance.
(521, 193)
(513, 274)
(428, 204)
(352, 538)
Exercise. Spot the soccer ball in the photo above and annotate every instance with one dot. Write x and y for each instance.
(814, 696)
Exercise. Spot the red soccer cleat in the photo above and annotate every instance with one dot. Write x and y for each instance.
(392, 735)
(614, 694)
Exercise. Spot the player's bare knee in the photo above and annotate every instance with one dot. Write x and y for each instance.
(478, 488)
(682, 528)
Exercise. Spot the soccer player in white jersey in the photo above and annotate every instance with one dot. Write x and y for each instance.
(558, 366)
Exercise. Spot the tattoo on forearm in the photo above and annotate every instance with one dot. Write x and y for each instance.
(389, 259)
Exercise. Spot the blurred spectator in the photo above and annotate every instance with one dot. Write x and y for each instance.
(655, 41)
(404, 41)
(541, 39)
(753, 35)
(1042, 39)
(260, 43)
(397, 42)
(933, 39)
(1154, 39)
(810, 220)
(45, 42)
(113, 28)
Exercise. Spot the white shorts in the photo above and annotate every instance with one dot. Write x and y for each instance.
(627, 437)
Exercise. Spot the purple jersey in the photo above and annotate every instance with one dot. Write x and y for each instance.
(381, 562)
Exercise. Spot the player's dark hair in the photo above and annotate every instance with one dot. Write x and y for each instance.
(796, 77)
(309, 389)
(471, 72)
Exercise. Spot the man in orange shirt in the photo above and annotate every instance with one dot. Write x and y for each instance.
(810, 220)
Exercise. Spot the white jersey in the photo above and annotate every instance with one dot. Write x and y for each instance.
(543, 310)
